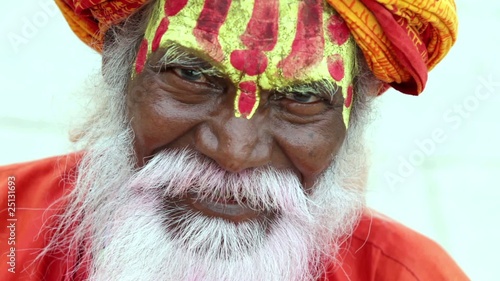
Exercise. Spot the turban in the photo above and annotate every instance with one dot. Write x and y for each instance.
(402, 40)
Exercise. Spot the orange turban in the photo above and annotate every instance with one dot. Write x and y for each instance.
(402, 40)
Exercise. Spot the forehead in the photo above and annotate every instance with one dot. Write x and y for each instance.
(275, 43)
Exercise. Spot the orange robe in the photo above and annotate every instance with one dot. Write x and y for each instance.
(379, 249)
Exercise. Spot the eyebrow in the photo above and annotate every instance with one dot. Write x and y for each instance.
(177, 55)
(324, 87)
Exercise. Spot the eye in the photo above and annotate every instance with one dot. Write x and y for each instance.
(191, 75)
(303, 97)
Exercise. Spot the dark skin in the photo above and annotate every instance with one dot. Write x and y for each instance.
(175, 107)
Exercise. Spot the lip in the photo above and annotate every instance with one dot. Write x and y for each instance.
(229, 210)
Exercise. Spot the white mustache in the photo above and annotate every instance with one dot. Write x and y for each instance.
(181, 172)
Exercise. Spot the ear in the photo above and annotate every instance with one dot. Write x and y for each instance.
(369, 84)
(381, 89)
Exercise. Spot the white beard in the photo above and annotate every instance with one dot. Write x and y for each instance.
(121, 213)
(132, 240)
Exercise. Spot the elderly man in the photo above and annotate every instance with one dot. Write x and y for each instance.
(227, 145)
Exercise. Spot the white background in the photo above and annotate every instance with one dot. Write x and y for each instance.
(435, 161)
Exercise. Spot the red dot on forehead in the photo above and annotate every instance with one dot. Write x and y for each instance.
(251, 62)
(336, 67)
(338, 30)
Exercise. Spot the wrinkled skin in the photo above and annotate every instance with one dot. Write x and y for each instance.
(176, 107)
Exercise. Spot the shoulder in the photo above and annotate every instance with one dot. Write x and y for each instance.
(46, 177)
(383, 249)
(42, 166)
(35, 183)
(41, 173)
(28, 194)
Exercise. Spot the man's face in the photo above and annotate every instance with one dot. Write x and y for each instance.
(185, 96)
(224, 185)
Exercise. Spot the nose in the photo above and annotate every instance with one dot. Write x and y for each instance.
(235, 143)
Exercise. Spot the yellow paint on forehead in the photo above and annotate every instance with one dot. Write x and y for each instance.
(180, 31)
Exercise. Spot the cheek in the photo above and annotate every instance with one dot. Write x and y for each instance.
(159, 122)
(311, 148)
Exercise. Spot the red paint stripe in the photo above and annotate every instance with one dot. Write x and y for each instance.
(262, 29)
(212, 16)
(141, 56)
(348, 99)
(248, 97)
(162, 28)
(173, 7)
(308, 45)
